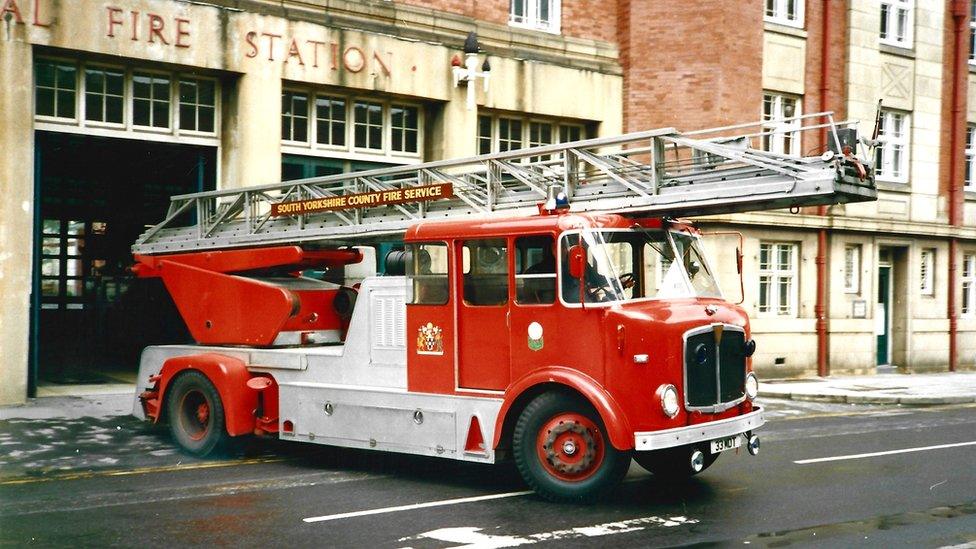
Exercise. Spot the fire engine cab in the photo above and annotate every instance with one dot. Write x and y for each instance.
(545, 305)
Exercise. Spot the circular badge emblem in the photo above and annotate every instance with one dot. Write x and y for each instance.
(535, 336)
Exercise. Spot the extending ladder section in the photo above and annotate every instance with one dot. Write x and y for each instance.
(655, 173)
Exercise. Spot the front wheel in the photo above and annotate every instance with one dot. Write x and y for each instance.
(674, 463)
(562, 451)
(196, 415)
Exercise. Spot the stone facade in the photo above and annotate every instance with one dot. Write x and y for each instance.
(613, 66)
(256, 49)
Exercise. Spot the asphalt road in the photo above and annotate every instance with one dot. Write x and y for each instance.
(285, 494)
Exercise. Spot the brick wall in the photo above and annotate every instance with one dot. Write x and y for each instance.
(836, 80)
(949, 74)
(589, 19)
(592, 19)
(690, 72)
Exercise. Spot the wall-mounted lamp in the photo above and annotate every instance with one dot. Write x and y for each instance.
(468, 71)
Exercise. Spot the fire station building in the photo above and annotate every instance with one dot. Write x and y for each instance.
(109, 107)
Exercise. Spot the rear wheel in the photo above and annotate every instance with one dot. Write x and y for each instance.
(562, 451)
(196, 415)
(674, 463)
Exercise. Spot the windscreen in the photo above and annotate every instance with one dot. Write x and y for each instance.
(623, 265)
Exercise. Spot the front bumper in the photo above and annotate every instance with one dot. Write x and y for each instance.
(681, 436)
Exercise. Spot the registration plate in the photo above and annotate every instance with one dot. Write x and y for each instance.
(726, 443)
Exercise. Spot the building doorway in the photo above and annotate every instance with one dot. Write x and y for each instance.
(892, 308)
(93, 197)
(882, 315)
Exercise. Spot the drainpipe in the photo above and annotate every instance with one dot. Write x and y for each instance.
(820, 309)
(960, 30)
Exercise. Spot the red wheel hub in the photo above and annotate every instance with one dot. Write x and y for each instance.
(570, 447)
(195, 414)
(203, 413)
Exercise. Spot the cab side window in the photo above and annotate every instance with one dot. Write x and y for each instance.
(427, 273)
(535, 270)
(485, 269)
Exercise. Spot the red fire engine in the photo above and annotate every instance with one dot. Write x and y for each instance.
(544, 305)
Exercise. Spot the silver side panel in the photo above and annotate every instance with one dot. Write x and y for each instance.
(373, 355)
(680, 436)
(390, 420)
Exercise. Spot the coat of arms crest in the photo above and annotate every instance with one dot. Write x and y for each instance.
(430, 340)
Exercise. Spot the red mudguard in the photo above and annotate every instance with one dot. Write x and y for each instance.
(618, 428)
(230, 377)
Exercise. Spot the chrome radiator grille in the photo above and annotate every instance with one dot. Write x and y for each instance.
(715, 367)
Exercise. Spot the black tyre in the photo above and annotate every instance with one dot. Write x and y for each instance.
(562, 451)
(196, 415)
(674, 463)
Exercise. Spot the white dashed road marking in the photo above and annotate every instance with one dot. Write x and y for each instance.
(472, 538)
(440, 503)
(886, 453)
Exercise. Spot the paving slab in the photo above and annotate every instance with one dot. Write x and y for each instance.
(904, 389)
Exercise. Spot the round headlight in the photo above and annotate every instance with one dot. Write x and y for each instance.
(752, 386)
(669, 400)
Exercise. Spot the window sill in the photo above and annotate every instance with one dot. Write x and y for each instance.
(528, 26)
(896, 186)
(972, 67)
(969, 194)
(782, 28)
(907, 52)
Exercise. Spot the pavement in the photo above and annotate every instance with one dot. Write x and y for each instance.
(904, 389)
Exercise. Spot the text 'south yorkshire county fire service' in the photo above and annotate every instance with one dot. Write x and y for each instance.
(544, 304)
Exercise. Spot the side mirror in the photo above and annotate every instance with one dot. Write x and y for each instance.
(577, 261)
(738, 260)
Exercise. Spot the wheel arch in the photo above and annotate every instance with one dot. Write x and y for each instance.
(229, 376)
(558, 378)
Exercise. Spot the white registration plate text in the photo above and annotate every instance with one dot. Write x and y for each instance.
(726, 443)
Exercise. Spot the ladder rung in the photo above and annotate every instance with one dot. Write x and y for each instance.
(657, 172)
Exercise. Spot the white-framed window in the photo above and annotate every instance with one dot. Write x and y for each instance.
(785, 12)
(198, 104)
(777, 278)
(500, 133)
(540, 133)
(897, 22)
(780, 133)
(570, 132)
(405, 128)
(891, 156)
(852, 269)
(968, 280)
(151, 98)
(330, 121)
(535, 14)
(509, 134)
(368, 125)
(364, 129)
(970, 181)
(105, 95)
(55, 89)
(116, 100)
(294, 116)
(926, 272)
(972, 33)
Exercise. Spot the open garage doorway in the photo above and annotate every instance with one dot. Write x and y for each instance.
(94, 196)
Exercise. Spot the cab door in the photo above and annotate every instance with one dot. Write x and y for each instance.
(482, 314)
(430, 330)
